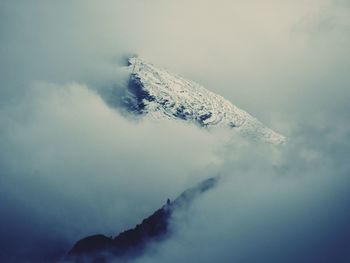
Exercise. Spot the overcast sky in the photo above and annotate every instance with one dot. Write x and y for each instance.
(72, 166)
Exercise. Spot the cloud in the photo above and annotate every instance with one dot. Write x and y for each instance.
(289, 205)
(76, 166)
(72, 166)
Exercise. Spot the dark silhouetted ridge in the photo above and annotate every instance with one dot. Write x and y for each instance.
(132, 242)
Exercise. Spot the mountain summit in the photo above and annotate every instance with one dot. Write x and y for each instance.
(159, 94)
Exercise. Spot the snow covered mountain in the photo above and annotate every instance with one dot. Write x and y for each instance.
(159, 94)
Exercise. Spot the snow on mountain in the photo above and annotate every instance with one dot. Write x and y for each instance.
(159, 94)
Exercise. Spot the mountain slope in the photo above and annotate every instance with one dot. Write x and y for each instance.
(159, 94)
(133, 242)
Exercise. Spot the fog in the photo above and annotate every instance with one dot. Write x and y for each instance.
(73, 166)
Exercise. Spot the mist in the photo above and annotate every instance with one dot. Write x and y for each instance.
(72, 165)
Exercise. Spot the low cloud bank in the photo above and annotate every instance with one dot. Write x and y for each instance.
(284, 206)
(72, 166)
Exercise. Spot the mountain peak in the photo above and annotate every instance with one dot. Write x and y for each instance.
(159, 94)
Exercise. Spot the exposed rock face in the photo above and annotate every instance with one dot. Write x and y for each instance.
(133, 242)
